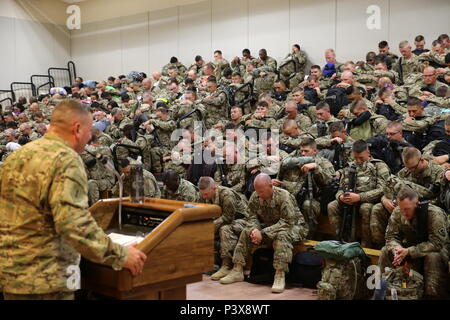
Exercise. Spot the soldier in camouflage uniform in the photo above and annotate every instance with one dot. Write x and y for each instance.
(230, 224)
(274, 218)
(99, 177)
(260, 119)
(176, 188)
(161, 129)
(404, 242)
(151, 188)
(118, 122)
(216, 104)
(408, 63)
(189, 104)
(291, 110)
(294, 178)
(324, 119)
(419, 174)
(371, 176)
(233, 171)
(44, 214)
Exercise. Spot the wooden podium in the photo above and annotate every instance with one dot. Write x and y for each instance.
(179, 249)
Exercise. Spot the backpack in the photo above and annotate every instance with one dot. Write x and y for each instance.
(306, 269)
(403, 284)
(387, 111)
(344, 274)
(262, 271)
(436, 132)
(336, 99)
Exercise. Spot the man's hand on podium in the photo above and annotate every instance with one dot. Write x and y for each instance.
(135, 260)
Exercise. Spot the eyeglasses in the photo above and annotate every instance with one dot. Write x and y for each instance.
(390, 134)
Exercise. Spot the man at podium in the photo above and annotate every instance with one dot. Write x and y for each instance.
(44, 219)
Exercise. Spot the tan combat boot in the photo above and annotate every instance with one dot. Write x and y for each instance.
(278, 283)
(236, 275)
(224, 270)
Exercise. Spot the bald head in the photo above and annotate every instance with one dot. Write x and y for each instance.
(263, 186)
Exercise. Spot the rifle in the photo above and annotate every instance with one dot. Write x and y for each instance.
(422, 222)
(187, 115)
(223, 177)
(348, 226)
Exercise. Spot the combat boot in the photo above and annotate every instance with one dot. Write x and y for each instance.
(224, 270)
(236, 275)
(278, 283)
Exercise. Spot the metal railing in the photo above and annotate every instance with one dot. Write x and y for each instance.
(42, 83)
(63, 77)
(23, 89)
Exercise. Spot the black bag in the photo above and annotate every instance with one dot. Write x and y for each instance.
(336, 99)
(262, 271)
(387, 111)
(436, 132)
(306, 269)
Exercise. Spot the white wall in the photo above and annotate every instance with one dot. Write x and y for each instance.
(145, 42)
(29, 45)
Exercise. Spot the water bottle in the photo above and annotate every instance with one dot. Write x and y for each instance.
(137, 181)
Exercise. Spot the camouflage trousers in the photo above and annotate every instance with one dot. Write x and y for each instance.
(97, 186)
(157, 155)
(311, 215)
(282, 245)
(434, 272)
(229, 237)
(60, 295)
(335, 211)
(379, 218)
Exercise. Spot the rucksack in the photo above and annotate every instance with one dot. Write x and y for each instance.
(387, 111)
(436, 132)
(306, 269)
(336, 99)
(403, 284)
(343, 280)
(262, 271)
(344, 273)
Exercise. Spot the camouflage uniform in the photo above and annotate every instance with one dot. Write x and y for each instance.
(184, 109)
(216, 108)
(303, 122)
(105, 140)
(294, 180)
(281, 223)
(145, 142)
(151, 188)
(115, 130)
(371, 177)
(99, 177)
(186, 192)
(314, 129)
(163, 130)
(232, 221)
(44, 221)
(401, 233)
(262, 123)
(405, 67)
(234, 174)
(420, 182)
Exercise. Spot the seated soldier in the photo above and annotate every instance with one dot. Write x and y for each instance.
(419, 174)
(339, 143)
(295, 179)
(324, 119)
(387, 106)
(99, 177)
(176, 188)
(389, 148)
(151, 189)
(304, 106)
(291, 110)
(439, 150)
(230, 172)
(260, 118)
(274, 219)
(418, 241)
(365, 124)
(291, 138)
(371, 177)
(229, 225)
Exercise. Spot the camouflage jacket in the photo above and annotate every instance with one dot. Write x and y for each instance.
(44, 219)
(186, 192)
(234, 174)
(151, 188)
(279, 214)
(401, 233)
